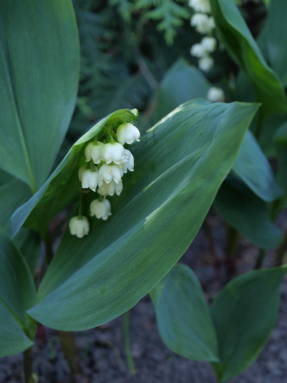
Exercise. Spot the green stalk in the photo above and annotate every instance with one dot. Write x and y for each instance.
(127, 342)
(28, 366)
(70, 351)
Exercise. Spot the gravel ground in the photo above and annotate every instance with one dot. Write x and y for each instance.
(102, 359)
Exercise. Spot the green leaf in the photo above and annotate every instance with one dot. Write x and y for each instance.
(255, 171)
(17, 294)
(238, 40)
(244, 314)
(13, 193)
(249, 215)
(180, 164)
(39, 65)
(63, 184)
(183, 316)
(181, 83)
(273, 44)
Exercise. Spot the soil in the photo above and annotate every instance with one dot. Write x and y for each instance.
(101, 355)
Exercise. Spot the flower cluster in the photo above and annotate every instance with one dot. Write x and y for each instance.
(204, 24)
(105, 164)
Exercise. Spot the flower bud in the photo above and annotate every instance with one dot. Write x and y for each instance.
(101, 209)
(197, 50)
(128, 133)
(89, 178)
(208, 44)
(205, 63)
(200, 5)
(215, 94)
(93, 151)
(202, 23)
(113, 152)
(110, 189)
(109, 173)
(79, 226)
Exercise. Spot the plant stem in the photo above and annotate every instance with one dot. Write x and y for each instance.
(127, 342)
(28, 366)
(70, 351)
(281, 251)
(260, 258)
(232, 242)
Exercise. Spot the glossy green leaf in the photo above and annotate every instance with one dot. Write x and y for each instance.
(181, 83)
(63, 185)
(273, 44)
(180, 164)
(183, 316)
(39, 65)
(17, 294)
(244, 314)
(255, 171)
(249, 215)
(238, 40)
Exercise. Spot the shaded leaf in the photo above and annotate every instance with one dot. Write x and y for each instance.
(39, 65)
(183, 316)
(245, 212)
(17, 294)
(244, 314)
(238, 40)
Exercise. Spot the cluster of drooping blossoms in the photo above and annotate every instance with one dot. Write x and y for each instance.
(106, 163)
(203, 24)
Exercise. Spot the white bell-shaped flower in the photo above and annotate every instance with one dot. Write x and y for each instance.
(128, 133)
(100, 209)
(215, 94)
(79, 226)
(113, 152)
(89, 178)
(197, 50)
(109, 173)
(202, 23)
(208, 44)
(205, 63)
(200, 5)
(93, 152)
(110, 189)
(128, 162)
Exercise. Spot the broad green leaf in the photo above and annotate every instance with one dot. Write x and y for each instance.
(244, 314)
(183, 316)
(181, 83)
(238, 40)
(280, 140)
(249, 215)
(17, 294)
(63, 184)
(255, 171)
(13, 193)
(180, 164)
(39, 65)
(273, 44)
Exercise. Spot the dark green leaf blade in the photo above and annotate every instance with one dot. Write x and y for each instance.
(39, 65)
(181, 83)
(249, 215)
(238, 40)
(17, 294)
(244, 314)
(255, 171)
(180, 164)
(183, 316)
